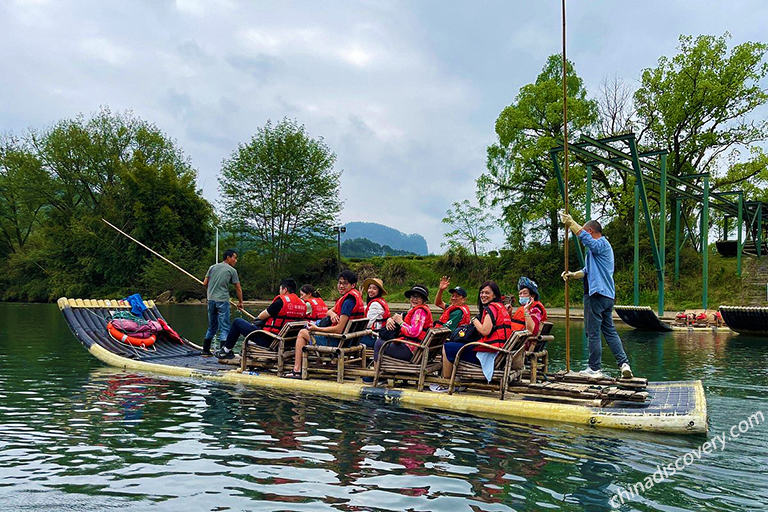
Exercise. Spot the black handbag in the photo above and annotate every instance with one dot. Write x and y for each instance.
(389, 334)
(465, 334)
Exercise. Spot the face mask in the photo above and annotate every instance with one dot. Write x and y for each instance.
(524, 300)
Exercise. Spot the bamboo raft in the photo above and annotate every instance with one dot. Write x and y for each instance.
(643, 318)
(529, 392)
(750, 321)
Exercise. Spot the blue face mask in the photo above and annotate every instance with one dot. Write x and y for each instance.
(524, 300)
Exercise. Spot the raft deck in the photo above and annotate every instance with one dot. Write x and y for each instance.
(671, 407)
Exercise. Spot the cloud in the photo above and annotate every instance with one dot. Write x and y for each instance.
(406, 94)
(103, 49)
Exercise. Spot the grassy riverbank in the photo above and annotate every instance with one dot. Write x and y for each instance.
(544, 266)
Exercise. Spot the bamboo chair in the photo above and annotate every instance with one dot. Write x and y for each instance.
(536, 353)
(329, 360)
(508, 365)
(423, 361)
(281, 350)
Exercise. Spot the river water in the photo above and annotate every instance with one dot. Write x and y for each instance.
(78, 435)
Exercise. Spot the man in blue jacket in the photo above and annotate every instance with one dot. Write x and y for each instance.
(600, 290)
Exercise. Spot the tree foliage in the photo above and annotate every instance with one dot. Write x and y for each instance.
(112, 166)
(280, 190)
(470, 227)
(698, 103)
(519, 176)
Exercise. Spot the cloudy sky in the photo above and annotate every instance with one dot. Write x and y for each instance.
(405, 93)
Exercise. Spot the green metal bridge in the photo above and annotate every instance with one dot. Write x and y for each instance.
(650, 172)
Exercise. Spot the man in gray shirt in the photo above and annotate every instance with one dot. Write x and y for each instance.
(216, 283)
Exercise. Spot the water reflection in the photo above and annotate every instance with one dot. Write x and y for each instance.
(78, 435)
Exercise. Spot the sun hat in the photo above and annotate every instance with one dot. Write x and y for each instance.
(421, 290)
(378, 282)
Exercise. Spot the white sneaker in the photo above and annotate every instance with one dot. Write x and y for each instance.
(438, 388)
(592, 374)
(626, 371)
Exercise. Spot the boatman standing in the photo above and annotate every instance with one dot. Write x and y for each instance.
(216, 283)
(600, 294)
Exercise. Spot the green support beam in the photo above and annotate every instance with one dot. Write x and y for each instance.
(589, 193)
(662, 230)
(740, 243)
(705, 242)
(678, 200)
(637, 245)
(759, 229)
(647, 212)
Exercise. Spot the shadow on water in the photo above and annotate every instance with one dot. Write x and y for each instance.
(79, 435)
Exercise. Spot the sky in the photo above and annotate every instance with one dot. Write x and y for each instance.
(405, 93)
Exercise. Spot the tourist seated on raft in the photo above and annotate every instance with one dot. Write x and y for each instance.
(376, 309)
(286, 307)
(531, 312)
(316, 307)
(412, 327)
(350, 306)
(493, 327)
(456, 313)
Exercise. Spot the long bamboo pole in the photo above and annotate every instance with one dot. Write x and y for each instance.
(565, 197)
(167, 261)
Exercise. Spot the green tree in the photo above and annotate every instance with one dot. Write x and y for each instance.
(114, 166)
(280, 189)
(519, 176)
(470, 227)
(21, 202)
(698, 105)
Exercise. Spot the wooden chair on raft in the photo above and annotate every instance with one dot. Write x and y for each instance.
(282, 350)
(325, 361)
(423, 361)
(507, 367)
(536, 354)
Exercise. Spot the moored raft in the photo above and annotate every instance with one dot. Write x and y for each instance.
(670, 407)
(642, 318)
(749, 320)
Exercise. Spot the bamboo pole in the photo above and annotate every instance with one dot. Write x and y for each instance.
(565, 197)
(167, 261)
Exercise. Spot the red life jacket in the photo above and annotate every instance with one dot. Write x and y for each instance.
(424, 328)
(465, 318)
(518, 319)
(293, 309)
(358, 311)
(379, 324)
(501, 330)
(319, 308)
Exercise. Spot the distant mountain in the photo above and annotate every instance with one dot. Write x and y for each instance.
(364, 248)
(384, 235)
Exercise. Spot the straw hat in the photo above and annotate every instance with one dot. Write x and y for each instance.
(378, 282)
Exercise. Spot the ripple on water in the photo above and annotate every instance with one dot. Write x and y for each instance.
(77, 435)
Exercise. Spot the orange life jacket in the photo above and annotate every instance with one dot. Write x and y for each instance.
(359, 309)
(319, 308)
(518, 319)
(501, 330)
(465, 318)
(293, 309)
(379, 324)
(424, 328)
